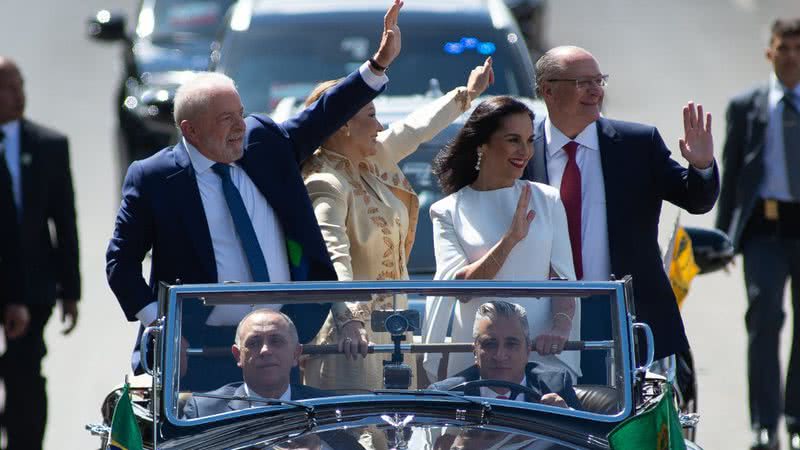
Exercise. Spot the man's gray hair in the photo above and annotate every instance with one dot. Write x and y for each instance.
(193, 95)
(266, 311)
(501, 309)
(550, 65)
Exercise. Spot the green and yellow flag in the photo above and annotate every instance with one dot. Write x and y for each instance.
(679, 262)
(658, 428)
(125, 433)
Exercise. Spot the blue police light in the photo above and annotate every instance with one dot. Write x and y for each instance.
(470, 42)
(453, 48)
(486, 48)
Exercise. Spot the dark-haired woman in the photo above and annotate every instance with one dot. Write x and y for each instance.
(493, 225)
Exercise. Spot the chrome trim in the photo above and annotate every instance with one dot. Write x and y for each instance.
(651, 348)
(143, 345)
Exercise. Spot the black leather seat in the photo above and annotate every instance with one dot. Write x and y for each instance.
(598, 398)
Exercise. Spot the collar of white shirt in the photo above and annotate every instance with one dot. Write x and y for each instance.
(556, 140)
(777, 90)
(200, 163)
(287, 394)
(491, 393)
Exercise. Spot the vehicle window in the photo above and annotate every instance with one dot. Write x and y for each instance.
(201, 17)
(268, 65)
(223, 365)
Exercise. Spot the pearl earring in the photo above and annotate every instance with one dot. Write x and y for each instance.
(478, 163)
(347, 132)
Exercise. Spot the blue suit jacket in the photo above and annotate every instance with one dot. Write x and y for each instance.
(743, 159)
(639, 174)
(161, 210)
(540, 379)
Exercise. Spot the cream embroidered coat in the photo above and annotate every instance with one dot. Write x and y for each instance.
(369, 237)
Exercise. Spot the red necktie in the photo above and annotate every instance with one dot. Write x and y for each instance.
(571, 197)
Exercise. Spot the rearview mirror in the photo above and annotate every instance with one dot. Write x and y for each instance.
(712, 249)
(107, 26)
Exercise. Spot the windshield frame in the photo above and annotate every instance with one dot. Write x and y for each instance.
(321, 292)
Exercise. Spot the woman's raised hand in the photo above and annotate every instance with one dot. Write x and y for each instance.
(523, 217)
(480, 78)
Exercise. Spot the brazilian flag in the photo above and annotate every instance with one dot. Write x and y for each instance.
(124, 430)
(658, 428)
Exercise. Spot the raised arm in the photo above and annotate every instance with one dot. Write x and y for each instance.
(404, 136)
(322, 118)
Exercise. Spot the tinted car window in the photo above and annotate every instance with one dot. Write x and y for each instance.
(288, 60)
(188, 16)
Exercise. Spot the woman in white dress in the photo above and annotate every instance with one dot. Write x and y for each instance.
(493, 225)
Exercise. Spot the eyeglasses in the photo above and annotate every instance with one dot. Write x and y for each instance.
(586, 83)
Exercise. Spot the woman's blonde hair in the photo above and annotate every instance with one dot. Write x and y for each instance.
(321, 89)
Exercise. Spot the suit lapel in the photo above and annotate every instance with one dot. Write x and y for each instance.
(539, 159)
(236, 405)
(613, 165)
(758, 117)
(28, 165)
(182, 184)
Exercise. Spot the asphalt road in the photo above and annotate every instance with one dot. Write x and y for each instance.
(659, 55)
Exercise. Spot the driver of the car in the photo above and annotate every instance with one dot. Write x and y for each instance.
(502, 347)
(266, 348)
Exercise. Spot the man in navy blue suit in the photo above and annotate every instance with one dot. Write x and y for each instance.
(228, 203)
(613, 177)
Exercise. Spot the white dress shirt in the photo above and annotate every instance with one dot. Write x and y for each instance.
(11, 150)
(491, 393)
(775, 184)
(287, 394)
(594, 227)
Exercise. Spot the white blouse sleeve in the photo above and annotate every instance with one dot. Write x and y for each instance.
(450, 258)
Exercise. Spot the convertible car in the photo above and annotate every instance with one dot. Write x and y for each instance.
(405, 410)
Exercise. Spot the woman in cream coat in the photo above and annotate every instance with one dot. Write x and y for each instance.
(367, 211)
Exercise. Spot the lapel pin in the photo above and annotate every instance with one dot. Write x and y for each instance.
(25, 159)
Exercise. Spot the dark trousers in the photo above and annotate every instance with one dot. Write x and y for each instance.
(768, 262)
(25, 415)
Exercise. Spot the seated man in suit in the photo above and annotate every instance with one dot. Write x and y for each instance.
(266, 348)
(502, 347)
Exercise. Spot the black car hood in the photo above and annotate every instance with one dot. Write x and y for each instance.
(177, 56)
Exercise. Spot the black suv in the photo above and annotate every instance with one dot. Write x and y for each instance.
(275, 49)
(171, 40)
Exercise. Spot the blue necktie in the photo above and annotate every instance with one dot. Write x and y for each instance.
(244, 227)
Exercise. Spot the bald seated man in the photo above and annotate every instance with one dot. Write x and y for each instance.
(266, 349)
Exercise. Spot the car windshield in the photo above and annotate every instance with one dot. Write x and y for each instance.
(196, 17)
(476, 339)
(284, 60)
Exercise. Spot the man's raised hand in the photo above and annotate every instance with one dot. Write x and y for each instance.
(390, 40)
(697, 145)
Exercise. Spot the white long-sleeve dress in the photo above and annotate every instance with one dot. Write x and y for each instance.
(467, 224)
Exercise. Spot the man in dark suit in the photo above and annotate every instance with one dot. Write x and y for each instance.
(228, 202)
(37, 160)
(613, 177)
(759, 208)
(502, 349)
(266, 348)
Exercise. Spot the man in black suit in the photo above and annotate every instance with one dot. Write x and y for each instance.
(37, 159)
(759, 208)
(613, 177)
(502, 349)
(266, 348)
